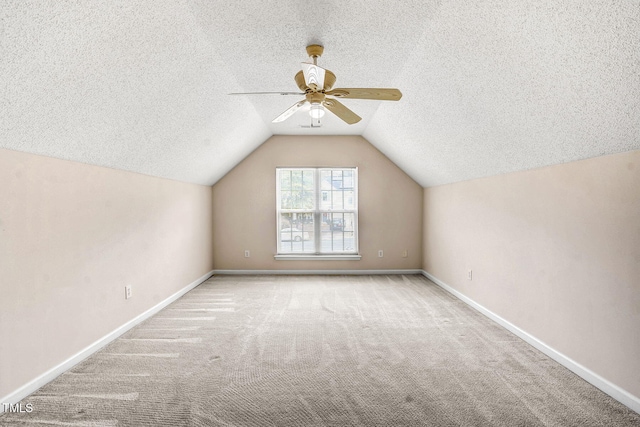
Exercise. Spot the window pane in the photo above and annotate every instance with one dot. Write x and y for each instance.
(336, 179)
(338, 232)
(348, 180)
(308, 200)
(349, 199)
(325, 180)
(337, 189)
(325, 200)
(336, 200)
(296, 180)
(308, 180)
(285, 180)
(296, 232)
(297, 189)
(286, 200)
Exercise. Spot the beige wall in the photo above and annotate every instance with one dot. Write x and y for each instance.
(555, 251)
(71, 237)
(390, 206)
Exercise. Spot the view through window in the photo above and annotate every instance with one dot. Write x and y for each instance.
(317, 210)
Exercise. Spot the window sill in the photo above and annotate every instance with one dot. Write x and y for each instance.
(337, 257)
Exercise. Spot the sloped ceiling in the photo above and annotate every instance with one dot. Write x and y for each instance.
(489, 86)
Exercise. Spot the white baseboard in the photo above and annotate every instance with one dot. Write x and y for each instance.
(24, 391)
(315, 272)
(621, 395)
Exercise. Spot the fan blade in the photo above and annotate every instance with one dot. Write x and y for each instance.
(284, 116)
(341, 111)
(367, 93)
(267, 93)
(313, 76)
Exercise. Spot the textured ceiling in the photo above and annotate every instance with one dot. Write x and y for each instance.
(489, 86)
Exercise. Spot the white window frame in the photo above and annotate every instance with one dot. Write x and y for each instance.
(317, 218)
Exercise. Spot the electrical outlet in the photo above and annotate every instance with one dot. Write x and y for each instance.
(247, 254)
(470, 274)
(405, 253)
(127, 292)
(380, 253)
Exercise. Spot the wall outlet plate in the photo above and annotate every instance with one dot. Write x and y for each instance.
(127, 292)
(247, 254)
(380, 253)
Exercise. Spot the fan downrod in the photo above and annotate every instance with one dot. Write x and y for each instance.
(315, 51)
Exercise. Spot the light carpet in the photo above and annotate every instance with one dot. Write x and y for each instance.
(320, 351)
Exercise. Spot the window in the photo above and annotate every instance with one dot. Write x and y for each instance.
(317, 210)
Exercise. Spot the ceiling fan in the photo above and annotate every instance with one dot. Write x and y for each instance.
(316, 84)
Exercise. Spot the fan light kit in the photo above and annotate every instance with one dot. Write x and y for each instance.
(316, 111)
(316, 84)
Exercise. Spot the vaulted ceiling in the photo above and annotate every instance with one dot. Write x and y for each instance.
(488, 87)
